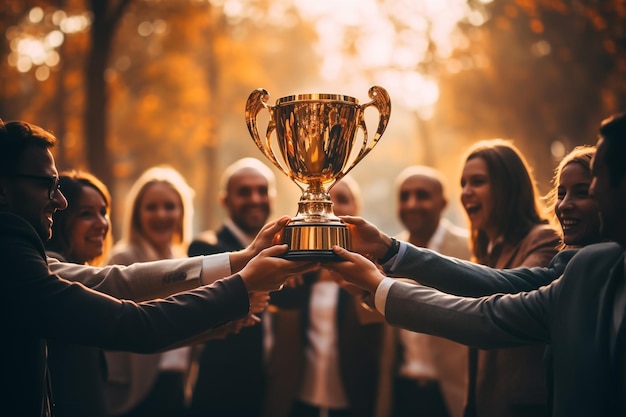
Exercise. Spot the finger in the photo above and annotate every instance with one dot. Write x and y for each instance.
(354, 220)
(342, 253)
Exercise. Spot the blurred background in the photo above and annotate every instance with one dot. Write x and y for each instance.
(128, 84)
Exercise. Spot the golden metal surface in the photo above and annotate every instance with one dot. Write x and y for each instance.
(316, 236)
(315, 136)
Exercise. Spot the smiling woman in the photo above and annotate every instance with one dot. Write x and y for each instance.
(157, 226)
(80, 234)
(507, 230)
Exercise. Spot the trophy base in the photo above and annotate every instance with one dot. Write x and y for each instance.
(315, 241)
(311, 255)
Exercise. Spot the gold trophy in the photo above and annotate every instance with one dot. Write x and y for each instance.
(315, 134)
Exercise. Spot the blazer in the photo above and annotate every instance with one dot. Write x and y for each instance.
(230, 369)
(512, 382)
(573, 313)
(146, 280)
(79, 375)
(39, 305)
(131, 376)
(449, 359)
(361, 346)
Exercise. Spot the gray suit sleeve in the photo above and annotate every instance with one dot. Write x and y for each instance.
(497, 321)
(137, 282)
(458, 277)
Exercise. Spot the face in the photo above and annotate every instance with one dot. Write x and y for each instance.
(420, 205)
(611, 199)
(160, 214)
(476, 196)
(29, 197)
(90, 226)
(577, 212)
(247, 200)
(343, 200)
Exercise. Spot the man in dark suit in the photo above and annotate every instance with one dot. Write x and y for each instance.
(581, 313)
(39, 305)
(233, 368)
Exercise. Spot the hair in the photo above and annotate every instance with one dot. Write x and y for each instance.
(423, 171)
(15, 138)
(580, 155)
(247, 164)
(613, 133)
(73, 184)
(517, 206)
(159, 174)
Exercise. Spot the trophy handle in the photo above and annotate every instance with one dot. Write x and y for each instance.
(382, 102)
(256, 101)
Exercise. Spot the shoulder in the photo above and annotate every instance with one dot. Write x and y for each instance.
(598, 252)
(452, 230)
(203, 244)
(16, 231)
(541, 235)
(208, 237)
(55, 256)
(123, 253)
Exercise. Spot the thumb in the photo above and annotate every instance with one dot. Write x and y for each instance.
(274, 250)
(343, 253)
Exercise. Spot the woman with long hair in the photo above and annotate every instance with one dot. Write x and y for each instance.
(81, 234)
(507, 230)
(158, 223)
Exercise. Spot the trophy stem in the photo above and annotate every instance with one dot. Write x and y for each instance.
(315, 205)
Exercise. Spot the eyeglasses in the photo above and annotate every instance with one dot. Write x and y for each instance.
(52, 180)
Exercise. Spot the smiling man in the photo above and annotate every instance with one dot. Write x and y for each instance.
(39, 305)
(247, 188)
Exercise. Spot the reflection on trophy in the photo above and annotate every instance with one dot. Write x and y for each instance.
(315, 134)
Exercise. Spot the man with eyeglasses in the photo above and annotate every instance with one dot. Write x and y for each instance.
(39, 305)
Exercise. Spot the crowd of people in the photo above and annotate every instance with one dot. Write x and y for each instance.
(517, 313)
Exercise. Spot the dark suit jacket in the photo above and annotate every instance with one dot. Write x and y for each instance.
(359, 350)
(231, 375)
(39, 306)
(573, 313)
(79, 375)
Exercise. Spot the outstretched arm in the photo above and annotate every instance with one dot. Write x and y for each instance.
(488, 322)
(452, 275)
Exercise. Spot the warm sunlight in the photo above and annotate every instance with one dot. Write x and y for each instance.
(365, 41)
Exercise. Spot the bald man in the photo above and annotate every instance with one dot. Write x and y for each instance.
(432, 372)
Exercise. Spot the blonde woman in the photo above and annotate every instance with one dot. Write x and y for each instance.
(158, 225)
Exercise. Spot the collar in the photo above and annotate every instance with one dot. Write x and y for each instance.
(243, 238)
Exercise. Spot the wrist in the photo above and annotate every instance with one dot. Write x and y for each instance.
(239, 259)
(392, 250)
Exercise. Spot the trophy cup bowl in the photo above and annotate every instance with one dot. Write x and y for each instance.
(316, 135)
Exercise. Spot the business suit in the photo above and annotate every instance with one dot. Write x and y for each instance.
(231, 371)
(136, 379)
(79, 375)
(512, 382)
(146, 280)
(360, 347)
(448, 359)
(507, 382)
(573, 313)
(43, 306)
